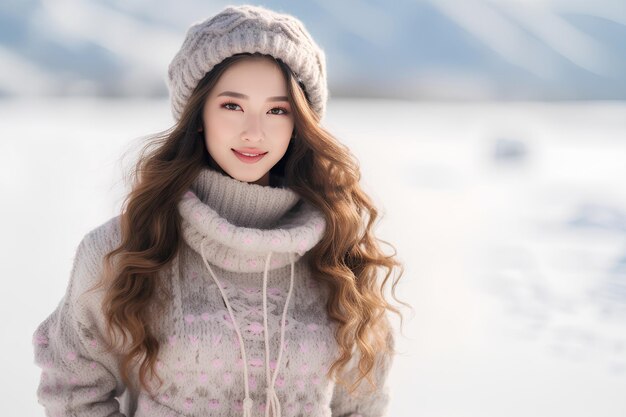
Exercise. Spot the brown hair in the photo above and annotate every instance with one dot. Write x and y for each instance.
(317, 167)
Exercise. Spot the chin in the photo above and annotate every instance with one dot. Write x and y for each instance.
(247, 178)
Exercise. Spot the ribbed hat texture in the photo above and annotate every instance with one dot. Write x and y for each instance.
(247, 28)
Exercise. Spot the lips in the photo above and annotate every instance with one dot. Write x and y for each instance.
(249, 155)
(249, 151)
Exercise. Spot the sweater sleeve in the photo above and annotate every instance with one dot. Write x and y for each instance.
(77, 377)
(364, 402)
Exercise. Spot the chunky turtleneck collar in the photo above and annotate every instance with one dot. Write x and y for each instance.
(240, 222)
(241, 203)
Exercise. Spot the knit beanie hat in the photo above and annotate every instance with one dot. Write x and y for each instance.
(247, 28)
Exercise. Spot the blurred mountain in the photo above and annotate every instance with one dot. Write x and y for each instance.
(431, 49)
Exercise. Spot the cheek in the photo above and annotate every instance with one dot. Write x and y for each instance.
(219, 131)
(282, 129)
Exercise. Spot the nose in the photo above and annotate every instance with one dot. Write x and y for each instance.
(253, 131)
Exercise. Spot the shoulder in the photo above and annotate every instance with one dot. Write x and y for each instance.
(101, 239)
(90, 253)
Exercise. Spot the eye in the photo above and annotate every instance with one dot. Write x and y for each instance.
(284, 110)
(230, 104)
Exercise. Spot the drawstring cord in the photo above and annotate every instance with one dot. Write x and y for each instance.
(247, 402)
(271, 396)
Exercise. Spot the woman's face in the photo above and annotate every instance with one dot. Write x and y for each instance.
(247, 120)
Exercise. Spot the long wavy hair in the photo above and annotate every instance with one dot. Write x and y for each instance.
(318, 168)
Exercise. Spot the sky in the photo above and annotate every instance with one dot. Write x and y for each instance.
(418, 49)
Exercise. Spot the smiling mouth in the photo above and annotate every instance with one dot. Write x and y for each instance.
(249, 157)
(249, 154)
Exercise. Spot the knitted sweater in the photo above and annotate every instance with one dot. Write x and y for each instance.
(246, 333)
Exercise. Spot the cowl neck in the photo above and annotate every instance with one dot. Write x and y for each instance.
(235, 224)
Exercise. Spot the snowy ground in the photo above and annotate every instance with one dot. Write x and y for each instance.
(510, 218)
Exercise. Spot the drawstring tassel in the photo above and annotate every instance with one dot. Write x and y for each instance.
(247, 407)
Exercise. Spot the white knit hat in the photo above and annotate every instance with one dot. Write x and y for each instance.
(247, 28)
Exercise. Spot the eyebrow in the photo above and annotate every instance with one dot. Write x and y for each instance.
(239, 95)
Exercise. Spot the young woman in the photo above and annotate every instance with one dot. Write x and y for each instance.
(242, 276)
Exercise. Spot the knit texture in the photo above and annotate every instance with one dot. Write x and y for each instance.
(247, 28)
(227, 225)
